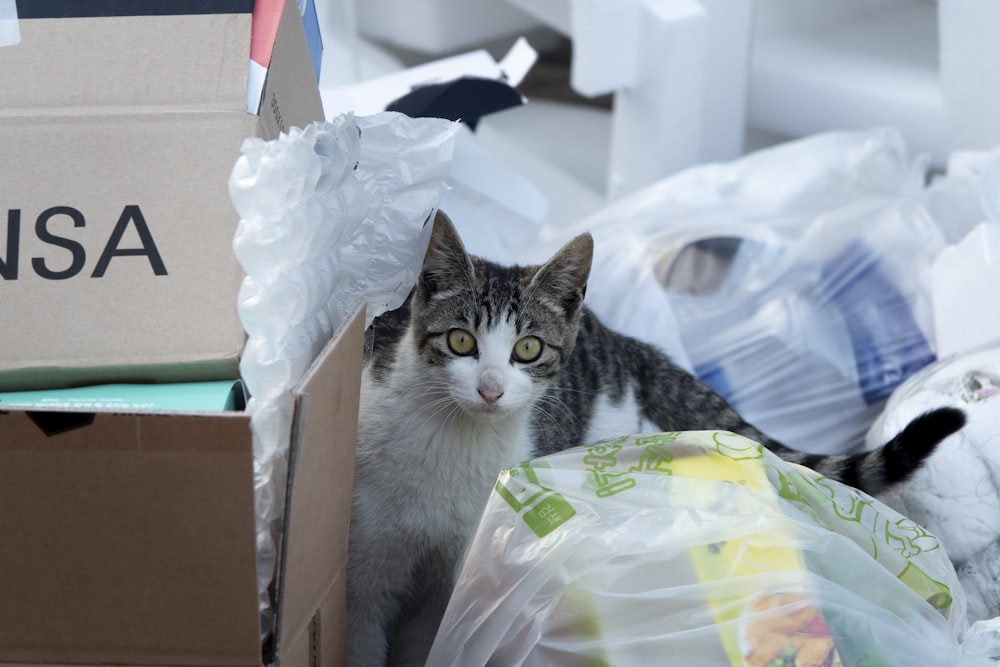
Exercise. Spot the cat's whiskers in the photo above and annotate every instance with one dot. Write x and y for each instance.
(548, 400)
(431, 407)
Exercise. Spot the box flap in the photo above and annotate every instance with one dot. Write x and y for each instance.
(113, 62)
(132, 541)
(321, 481)
(291, 97)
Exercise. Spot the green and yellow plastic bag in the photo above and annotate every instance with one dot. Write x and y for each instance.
(696, 548)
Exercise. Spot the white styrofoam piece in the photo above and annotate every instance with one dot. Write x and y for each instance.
(969, 55)
(518, 62)
(964, 291)
(607, 43)
(552, 131)
(562, 148)
(928, 68)
(496, 209)
(677, 69)
(553, 13)
(657, 123)
(794, 15)
(373, 95)
(725, 91)
(872, 69)
(966, 194)
(473, 168)
(440, 26)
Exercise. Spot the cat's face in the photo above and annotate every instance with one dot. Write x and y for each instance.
(493, 337)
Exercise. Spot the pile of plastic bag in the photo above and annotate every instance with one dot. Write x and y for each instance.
(794, 281)
(814, 284)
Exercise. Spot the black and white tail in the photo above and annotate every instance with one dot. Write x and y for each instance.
(894, 462)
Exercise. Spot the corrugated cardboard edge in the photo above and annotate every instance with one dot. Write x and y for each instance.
(313, 556)
(325, 640)
(291, 97)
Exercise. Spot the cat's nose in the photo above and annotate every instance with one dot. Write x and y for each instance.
(491, 396)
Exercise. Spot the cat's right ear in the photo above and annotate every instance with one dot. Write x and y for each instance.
(446, 261)
(564, 277)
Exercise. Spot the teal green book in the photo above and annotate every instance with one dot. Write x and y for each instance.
(176, 397)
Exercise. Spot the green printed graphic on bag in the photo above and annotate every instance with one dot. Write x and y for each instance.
(543, 510)
(702, 548)
(894, 541)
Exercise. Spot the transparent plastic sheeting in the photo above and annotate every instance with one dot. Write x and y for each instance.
(700, 548)
(332, 217)
(956, 493)
(794, 281)
(967, 194)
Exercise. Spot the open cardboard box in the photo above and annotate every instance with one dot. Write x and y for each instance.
(130, 539)
(120, 123)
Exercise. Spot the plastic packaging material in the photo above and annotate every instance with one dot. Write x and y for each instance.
(964, 280)
(967, 194)
(795, 280)
(956, 493)
(965, 201)
(332, 218)
(701, 546)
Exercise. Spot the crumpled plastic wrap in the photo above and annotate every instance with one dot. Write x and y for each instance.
(966, 194)
(332, 217)
(703, 547)
(956, 493)
(965, 202)
(794, 280)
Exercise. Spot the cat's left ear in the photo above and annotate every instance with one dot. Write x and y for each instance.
(446, 260)
(564, 277)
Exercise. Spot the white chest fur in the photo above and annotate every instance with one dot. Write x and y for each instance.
(611, 419)
(425, 469)
(425, 465)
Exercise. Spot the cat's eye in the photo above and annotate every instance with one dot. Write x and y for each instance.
(528, 349)
(461, 342)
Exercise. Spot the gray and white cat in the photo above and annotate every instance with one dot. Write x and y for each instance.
(484, 367)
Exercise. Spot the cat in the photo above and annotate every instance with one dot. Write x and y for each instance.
(486, 366)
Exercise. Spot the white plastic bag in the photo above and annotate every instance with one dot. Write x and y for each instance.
(331, 218)
(697, 548)
(956, 493)
(795, 280)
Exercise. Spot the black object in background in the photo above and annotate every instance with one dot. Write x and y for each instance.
(466, 99)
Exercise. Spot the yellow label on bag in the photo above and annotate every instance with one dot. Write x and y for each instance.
(738, 462)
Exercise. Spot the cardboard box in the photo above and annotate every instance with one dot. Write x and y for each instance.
(118, 133)
(130, 534)
(130, 540)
